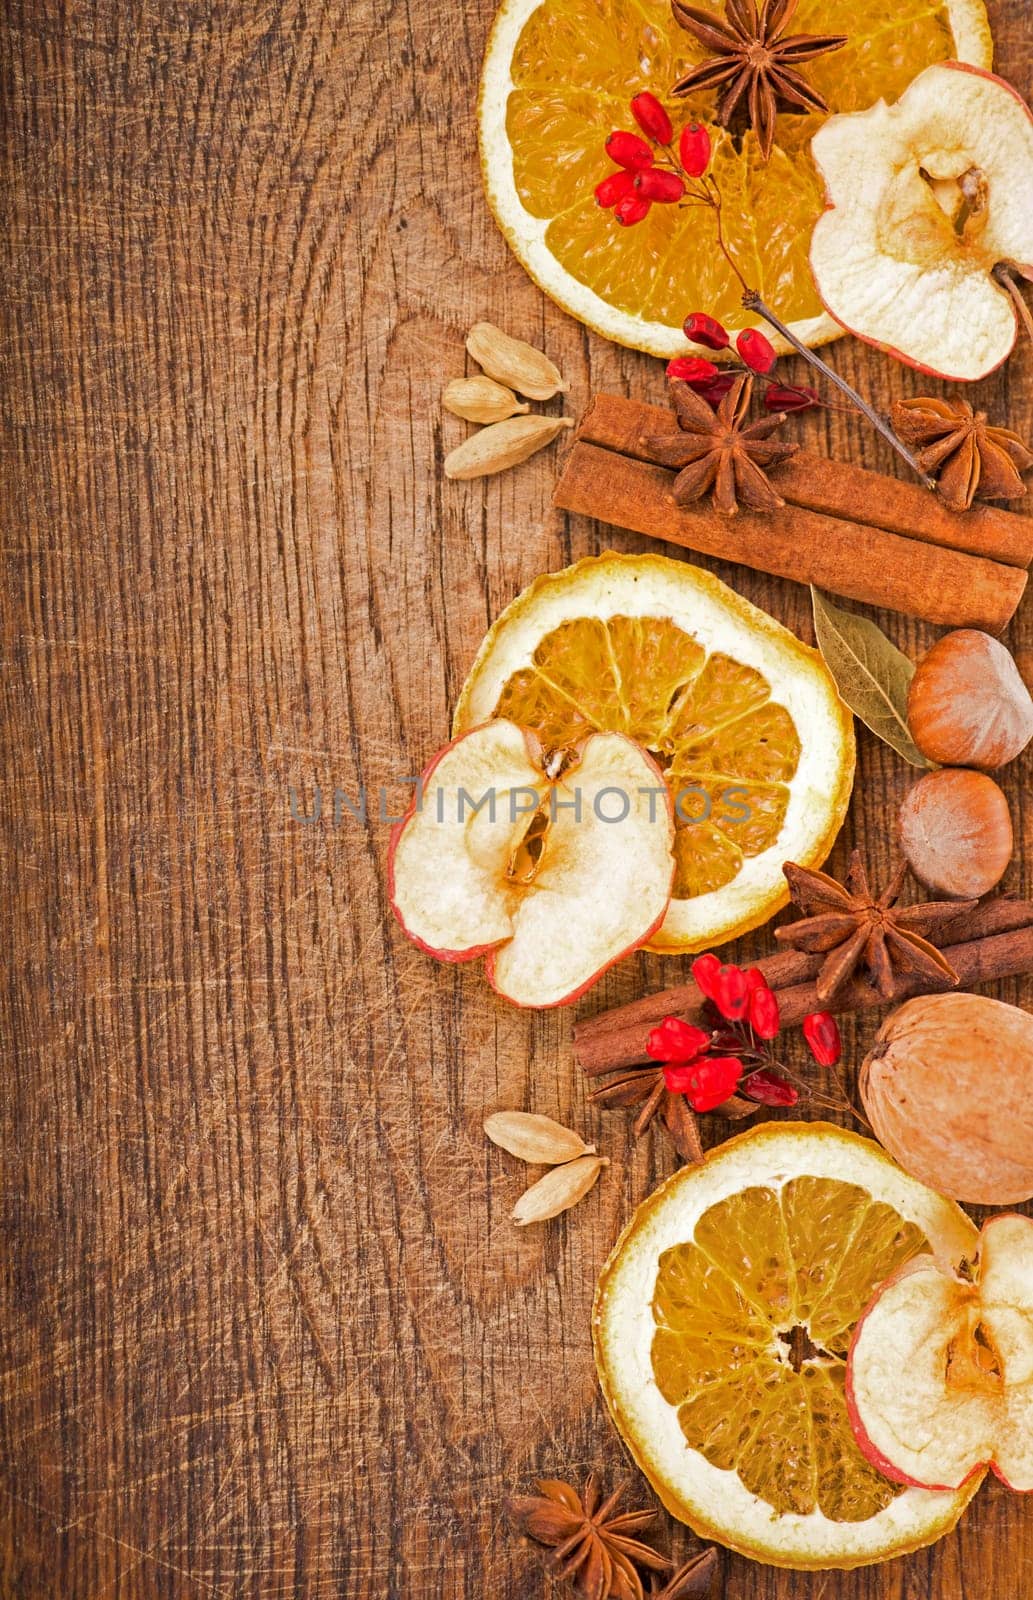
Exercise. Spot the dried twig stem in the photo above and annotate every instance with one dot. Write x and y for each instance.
(753, 302)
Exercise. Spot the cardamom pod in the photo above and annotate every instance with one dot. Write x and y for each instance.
(481, 400)
(536, 1139)
(502, 445)
(560, 1189)
(513, 362)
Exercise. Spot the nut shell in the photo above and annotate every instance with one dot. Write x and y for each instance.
(502, 445)
(967, 705)
(948, 1088)
(956, 832)
(514, 362)
(481, 399)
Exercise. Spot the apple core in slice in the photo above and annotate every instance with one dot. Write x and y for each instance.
(940, 1376)
(926, 197)
(722, 1323)
(552, 874)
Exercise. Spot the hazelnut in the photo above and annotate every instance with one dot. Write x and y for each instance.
(956, 831)
(967, 705)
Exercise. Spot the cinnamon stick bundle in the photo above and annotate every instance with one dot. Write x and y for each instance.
(909, 553)
(993, 941)
(836, 488)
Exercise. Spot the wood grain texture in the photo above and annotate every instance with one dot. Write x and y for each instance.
(266, 1330)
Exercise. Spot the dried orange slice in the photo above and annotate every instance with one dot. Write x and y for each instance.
(557, 78)
(743, 720)
(722, 1324)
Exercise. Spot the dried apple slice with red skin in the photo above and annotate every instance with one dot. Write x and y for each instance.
(894, 258)
(470, 921)
(551, 922)
(939, 1381)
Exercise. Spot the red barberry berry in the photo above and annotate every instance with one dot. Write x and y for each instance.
(628, 150)
(705, 969)
(790, 397)
(822, 1034)
(769, 1088)
(694, 149)
(692, 370)
(757, 351)
(651, 117)
(732, 996)
(614, 187)
(724, 985)
(675, 1040)
(705, 1084)
(656, 184)
(631, 209)
(701, 329)
(762, 1011)
(714, 393)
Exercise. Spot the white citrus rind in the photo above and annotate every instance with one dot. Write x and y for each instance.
(610, 585)
(713, 1501)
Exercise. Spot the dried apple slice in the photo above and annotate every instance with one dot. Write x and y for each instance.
(926, 197)
(553, 876)
(940, 1374)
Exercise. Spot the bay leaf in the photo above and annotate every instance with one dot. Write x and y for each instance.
(871, 674)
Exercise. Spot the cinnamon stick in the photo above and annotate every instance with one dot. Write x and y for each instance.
(851, 559)
(993, 941)
(835, 488)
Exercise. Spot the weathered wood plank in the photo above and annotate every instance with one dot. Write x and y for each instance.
(265, 1328)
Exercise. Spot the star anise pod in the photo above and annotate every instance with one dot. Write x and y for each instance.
(850, 926)
(592, 1547)
(720, 450)
(693, 1581)
(754, 62)
(958, 447)
(645, 1086)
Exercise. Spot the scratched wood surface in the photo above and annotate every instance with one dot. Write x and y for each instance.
(266, 1330)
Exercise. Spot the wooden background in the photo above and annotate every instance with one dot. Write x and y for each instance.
(266, 1328)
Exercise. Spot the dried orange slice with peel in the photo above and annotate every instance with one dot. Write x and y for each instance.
(722, 1323)
(743, 720)
(557, 78)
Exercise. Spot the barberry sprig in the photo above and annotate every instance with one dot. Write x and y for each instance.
(682, 177)
(736, 1055)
